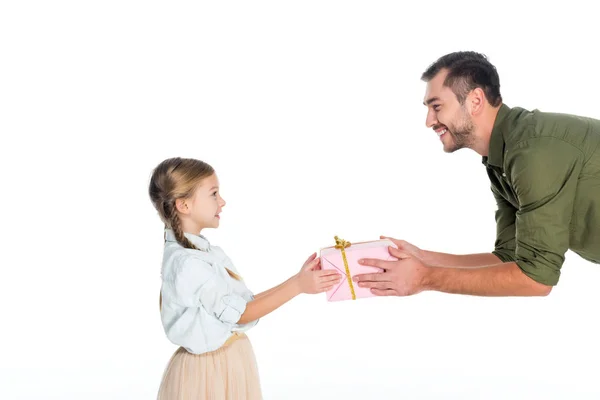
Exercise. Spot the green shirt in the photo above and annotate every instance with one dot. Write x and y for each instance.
(544, 170)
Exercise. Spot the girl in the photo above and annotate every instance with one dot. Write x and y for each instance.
(205, 305)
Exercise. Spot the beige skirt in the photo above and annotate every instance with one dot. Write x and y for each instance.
(229, 373)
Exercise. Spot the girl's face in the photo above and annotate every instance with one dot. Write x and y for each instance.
(203, 208)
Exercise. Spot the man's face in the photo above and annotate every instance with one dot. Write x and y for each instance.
(446, 116)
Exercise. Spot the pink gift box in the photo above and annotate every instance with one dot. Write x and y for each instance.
(331, 258)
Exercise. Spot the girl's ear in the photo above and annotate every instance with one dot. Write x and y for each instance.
(182, 207)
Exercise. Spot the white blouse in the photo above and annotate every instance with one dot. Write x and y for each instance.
(201, 302)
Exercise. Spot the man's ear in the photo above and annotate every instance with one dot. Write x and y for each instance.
(476, 100)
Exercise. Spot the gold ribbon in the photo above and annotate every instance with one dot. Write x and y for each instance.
(342, 245)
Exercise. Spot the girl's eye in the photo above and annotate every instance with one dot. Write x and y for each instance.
(214, 194)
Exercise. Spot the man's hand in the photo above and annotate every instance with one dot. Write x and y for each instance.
(406, 247)
(408, 275)
(403, 277)
(436, 259)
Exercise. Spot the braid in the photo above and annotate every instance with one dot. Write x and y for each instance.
(175, 223)
(178, 231)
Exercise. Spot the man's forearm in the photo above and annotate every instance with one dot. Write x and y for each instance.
(454, 260)
(497, 280)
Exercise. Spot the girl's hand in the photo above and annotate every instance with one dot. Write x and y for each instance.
(312, 279)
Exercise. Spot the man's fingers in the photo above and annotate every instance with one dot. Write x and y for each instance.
(384, 292)
(396, 241)
(398, 253)
(371, 278)
(374, 262)
(400, 243)
(375, 285)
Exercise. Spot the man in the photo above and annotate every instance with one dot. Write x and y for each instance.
(544, 170)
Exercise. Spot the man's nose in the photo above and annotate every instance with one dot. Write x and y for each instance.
(431, 119)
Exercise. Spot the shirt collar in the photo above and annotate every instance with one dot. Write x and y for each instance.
(197, 240)
(495, 155)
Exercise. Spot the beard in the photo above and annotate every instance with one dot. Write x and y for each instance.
(461, 132)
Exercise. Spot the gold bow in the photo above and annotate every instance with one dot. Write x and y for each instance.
(342, 245)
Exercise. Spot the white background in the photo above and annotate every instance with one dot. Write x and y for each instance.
(311, 113)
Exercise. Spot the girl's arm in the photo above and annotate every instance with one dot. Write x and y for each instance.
(310, 279)
(261, 294)
(258, 296)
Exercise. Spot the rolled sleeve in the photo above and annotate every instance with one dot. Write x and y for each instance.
(505, 244)
(198, 285)
(544, 173)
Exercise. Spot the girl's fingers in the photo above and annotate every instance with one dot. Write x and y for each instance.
(326, 288)
(330, 279)
(327, 272)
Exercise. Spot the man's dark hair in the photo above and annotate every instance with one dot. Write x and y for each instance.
(467, 70)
